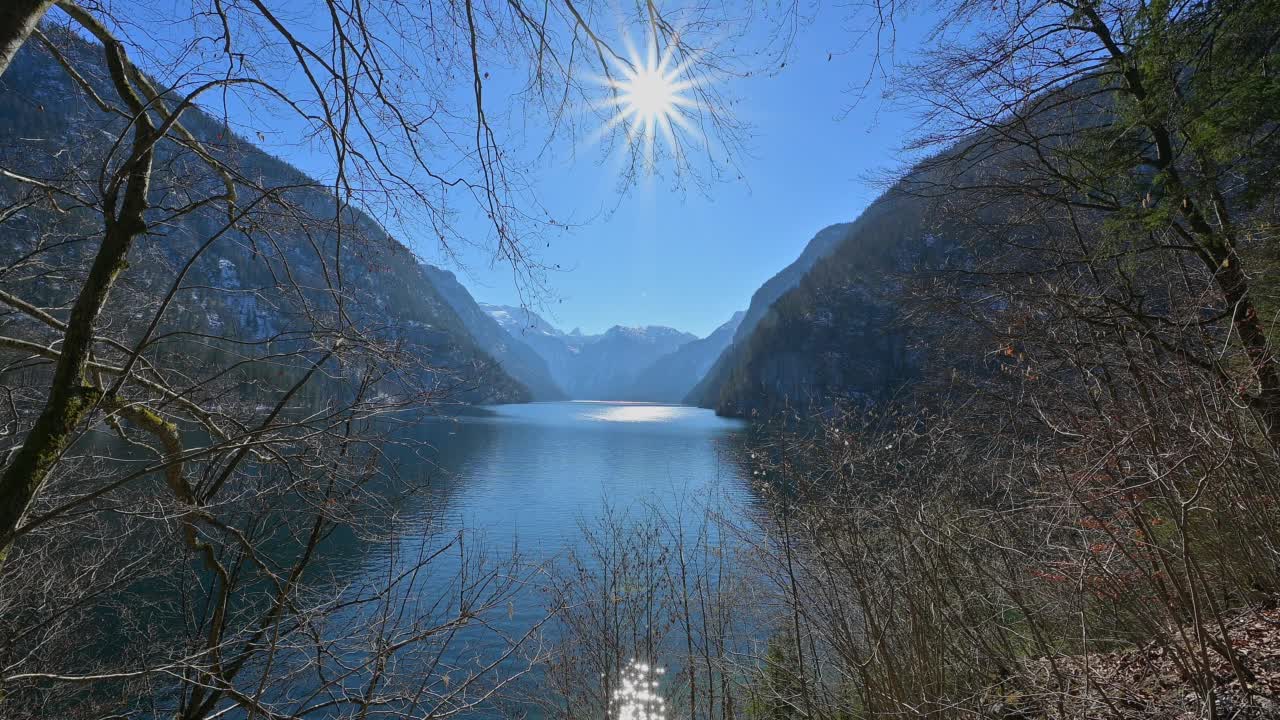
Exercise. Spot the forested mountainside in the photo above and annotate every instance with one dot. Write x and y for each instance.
(593, 367)
(235, 285)
(917, 288)
(819, 246)
(671, 377)
(836, 335)
(516, 357)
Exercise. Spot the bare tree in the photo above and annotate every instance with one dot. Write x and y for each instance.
(379, 134)
(210, 360)
(1141, 127)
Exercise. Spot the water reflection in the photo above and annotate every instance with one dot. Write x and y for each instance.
(524, 481)
(469, 517)
(638, 413)
(529, 475)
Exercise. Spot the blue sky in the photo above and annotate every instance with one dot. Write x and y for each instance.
(689, 259)
(653, 255)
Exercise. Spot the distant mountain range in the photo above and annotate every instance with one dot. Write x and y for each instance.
(516, 357)
(652, 363)
(671, 377)
(557, 349)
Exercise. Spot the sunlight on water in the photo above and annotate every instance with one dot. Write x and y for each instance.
(637, 413)
(638, 697)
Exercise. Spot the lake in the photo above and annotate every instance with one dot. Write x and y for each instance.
(538, 479)
(533, 473)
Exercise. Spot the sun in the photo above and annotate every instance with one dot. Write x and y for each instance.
(649, 97)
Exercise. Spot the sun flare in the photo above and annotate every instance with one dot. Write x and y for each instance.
(649, 97)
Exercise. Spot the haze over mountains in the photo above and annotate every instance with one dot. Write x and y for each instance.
(613, 365)
(660, 364)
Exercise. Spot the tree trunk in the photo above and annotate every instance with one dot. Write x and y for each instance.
(1248, 326)
(1217, 245)
(17, 19)
(71, 397)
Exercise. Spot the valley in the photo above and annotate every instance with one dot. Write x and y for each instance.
(981, 419)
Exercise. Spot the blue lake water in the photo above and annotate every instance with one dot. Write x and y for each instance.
(534, 473)
(529, 479)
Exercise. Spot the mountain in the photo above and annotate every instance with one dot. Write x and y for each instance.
(609, 366)
(516, 357)
(592, 367)
(242, 288)
(521, 321)
(558, 351)
(819, 246)
(671, 377)
(838, 334)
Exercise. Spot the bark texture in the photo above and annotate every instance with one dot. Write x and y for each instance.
(17, 19)
(72, 397)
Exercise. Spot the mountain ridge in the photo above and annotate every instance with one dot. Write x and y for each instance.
(822, 244)
(671, 377)
(516, 357)
(235, 284)
(592, 367)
